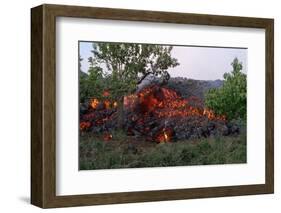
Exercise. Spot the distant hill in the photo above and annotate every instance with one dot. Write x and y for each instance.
(190, 87)
(185, 86)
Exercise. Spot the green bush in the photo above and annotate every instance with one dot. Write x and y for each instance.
(231, 98)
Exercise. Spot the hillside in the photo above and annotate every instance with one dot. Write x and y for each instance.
(191, 87)
(185, 86)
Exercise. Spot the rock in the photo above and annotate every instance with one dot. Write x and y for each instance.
(213, 133)
(211, 126)
(83, 109)
(235, 129)
(225, 130)
(100, 106)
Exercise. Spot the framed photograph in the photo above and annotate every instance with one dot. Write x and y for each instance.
(136, 106)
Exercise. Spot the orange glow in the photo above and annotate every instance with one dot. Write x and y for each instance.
(147, 109)
(164, 103)
(94, 103)
(211, 115)
(130, 100)
(107, 104)
(164, 136)
(107, 136)
(85, 125)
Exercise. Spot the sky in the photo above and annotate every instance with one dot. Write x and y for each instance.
(201, 63)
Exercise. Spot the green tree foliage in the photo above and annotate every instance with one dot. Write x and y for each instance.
(90, 84)
(231, 98)
(120, 67)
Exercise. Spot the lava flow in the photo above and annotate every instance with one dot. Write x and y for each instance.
(162, 115)
(156, 113)
(97, 115)
(164, 103)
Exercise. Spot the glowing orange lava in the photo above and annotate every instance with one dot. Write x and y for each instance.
(164, 103)
(164, 136)
(85, 125)
(94, 103)
(107, 136)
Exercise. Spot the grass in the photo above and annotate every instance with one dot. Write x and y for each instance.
(127, 152)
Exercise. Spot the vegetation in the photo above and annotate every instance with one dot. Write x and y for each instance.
(120, 153)
(116, 70)
(119, 67)
(231, 98)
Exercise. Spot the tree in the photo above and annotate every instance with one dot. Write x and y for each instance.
(231, 98)
(91, 83)
(130, 64)
(79, 61)
(83, 90)
(124, 66)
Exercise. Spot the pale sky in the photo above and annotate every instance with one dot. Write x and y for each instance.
(201, 63)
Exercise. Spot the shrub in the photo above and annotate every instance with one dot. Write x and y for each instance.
(231, 98)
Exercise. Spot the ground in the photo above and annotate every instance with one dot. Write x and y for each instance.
(128, 152)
